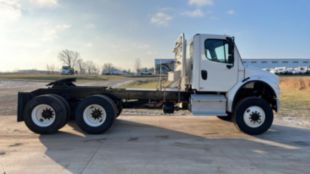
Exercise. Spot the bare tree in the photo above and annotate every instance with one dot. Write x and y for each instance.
(107, 68)
(137, 65)
(91, 68)
(81, 66)
(50, 69)
(69, 58)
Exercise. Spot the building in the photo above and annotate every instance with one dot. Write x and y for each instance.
(273, 63)
(262, 63)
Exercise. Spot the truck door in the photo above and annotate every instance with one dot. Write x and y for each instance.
(218, 67)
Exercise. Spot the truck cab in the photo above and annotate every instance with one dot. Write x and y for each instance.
(216, 63)
(214, 73)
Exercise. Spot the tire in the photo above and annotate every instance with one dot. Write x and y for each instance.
(168, 108)
(96, 114)
(45, 114)
(253, 116)
(66, 104)
(119, 109)
(226, 118)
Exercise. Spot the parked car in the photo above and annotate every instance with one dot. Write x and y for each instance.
(301, 70)
(280, 70)
(67, 70)
(273, 70)
(289, 70)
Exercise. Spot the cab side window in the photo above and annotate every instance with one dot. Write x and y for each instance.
(217, 50)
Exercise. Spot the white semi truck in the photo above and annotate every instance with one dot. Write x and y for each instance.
(211, 81)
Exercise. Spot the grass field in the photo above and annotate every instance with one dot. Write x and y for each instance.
(50, 77)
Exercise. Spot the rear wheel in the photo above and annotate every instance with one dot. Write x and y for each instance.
(96, 114)
(45, 114)
(66, 104)
(253, 116)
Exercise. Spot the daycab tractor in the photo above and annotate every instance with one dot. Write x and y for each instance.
(211, 81)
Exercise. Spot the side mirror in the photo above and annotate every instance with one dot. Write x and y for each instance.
(231, 54)
(231, 58)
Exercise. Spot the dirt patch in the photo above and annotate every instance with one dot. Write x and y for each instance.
(295, 83)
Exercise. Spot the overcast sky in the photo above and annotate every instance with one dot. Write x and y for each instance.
(32, 32)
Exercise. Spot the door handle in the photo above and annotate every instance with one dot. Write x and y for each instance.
(229, 66)
(204, 74)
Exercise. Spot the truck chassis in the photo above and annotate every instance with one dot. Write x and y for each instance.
(65, 101)
(123, 98)
(71, 95)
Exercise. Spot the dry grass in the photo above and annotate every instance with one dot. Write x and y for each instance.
(295, 96)
(295, 83)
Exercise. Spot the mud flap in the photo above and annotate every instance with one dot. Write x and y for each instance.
(23, 99)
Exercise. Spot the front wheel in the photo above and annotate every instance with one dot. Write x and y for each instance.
(253, 116)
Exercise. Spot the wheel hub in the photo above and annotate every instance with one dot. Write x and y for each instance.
(96, 114)
(47, 114)
(43, 115)
(254, 116)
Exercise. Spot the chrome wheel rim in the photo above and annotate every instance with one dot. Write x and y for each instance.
(254, 116)
(43, 115)
(94, 115)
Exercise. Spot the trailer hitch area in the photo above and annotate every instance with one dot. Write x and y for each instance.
(67, 82)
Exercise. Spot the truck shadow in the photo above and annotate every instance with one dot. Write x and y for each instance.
(135, 147)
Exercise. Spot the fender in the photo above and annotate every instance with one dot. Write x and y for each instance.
(231, 94)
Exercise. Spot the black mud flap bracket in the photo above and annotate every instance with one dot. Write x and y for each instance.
(23, 99)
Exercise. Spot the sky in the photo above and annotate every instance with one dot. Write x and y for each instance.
(33, 32)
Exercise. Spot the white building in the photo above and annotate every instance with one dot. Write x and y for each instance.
(166, 65)
(272, 63)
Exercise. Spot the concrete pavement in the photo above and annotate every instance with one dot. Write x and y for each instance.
(153, 144)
